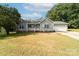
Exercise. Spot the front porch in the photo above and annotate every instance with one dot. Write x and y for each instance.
(34, 27)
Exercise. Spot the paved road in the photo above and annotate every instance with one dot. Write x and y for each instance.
(74, 35)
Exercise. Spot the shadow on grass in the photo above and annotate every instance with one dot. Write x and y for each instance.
(14, 35)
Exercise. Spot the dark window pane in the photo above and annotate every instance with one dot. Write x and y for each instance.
(46, 26)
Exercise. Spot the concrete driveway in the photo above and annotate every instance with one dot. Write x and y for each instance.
(74, 35)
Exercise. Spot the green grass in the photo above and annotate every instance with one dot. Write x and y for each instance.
(34, 44)
(73, 30)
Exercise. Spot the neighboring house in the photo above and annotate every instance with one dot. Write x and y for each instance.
(42, 25)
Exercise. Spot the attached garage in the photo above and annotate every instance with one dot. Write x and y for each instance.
(60, 26)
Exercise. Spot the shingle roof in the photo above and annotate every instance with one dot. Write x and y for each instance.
(43, 19)
(59, 22)
(34, 21)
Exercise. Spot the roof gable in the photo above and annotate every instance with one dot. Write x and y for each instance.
(47, 19)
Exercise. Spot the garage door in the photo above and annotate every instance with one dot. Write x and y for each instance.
(61, 27)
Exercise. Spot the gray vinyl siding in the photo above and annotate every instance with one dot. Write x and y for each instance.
(46, 22)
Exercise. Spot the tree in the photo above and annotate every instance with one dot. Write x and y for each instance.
(9, 18)
(67, 12)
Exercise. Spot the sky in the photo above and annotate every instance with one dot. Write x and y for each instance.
(32, 10)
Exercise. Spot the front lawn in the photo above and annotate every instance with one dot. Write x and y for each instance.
(38, 44)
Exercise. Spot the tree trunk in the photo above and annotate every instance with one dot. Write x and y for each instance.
(7, 32)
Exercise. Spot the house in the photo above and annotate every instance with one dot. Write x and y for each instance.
(43, 24)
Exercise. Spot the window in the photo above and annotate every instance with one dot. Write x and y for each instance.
(46, 26)
(21, 26)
